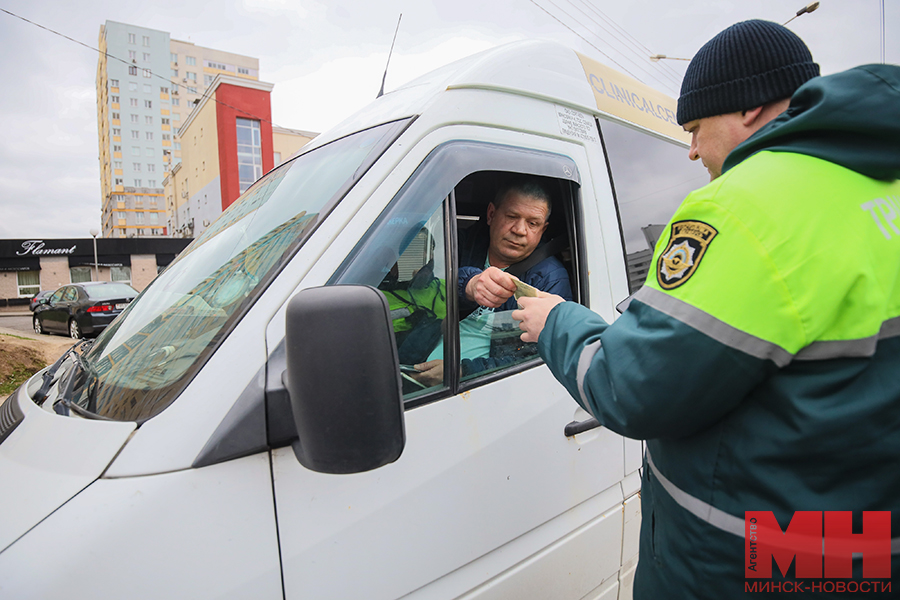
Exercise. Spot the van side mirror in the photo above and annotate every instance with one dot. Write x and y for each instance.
(343, 379)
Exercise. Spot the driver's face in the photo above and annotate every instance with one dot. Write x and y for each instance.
(516, 228)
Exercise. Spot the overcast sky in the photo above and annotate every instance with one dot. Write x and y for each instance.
(326, 60)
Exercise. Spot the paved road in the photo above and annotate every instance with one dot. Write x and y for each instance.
(19, 323)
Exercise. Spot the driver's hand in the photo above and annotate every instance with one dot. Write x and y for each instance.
(491, 288)
(431, 373)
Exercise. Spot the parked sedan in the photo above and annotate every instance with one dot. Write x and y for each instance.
(82, 309)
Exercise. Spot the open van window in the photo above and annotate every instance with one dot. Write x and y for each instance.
(413, 254)
(140, 363)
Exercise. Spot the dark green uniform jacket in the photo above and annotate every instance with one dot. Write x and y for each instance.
(761, 359)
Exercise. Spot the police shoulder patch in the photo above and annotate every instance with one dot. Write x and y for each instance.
(687, 245)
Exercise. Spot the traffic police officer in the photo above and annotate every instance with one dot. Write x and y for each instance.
(760, 360)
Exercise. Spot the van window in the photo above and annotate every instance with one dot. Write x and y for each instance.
(413, 255)
(650, 178)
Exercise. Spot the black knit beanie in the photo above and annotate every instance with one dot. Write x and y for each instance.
(749, 64)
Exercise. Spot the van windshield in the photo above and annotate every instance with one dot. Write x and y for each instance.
(141, 362)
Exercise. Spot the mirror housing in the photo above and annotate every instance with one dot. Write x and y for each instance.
(343, 378)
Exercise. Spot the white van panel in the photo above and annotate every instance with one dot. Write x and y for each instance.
(456, 494)
(200, 533)
(45, 461)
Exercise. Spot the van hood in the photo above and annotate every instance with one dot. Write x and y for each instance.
(849, 118)
(47, 459)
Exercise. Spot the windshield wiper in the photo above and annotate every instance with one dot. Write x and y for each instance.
(47, 378)
(64, 405)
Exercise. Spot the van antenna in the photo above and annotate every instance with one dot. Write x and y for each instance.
(383, 77)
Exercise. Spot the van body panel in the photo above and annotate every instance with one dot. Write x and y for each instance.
(197, 533)
(45, 461)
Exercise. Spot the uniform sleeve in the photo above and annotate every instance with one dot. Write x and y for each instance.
(713, 320)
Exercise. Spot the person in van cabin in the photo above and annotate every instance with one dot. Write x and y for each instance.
(760, 359)
(515, 223)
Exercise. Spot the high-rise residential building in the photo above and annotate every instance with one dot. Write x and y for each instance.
(147, 84)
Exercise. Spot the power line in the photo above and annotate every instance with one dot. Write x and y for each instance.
(123, 61)
(646, 51)
(617, 63)
(643, 56)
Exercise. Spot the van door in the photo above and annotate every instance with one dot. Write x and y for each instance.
(489, 498)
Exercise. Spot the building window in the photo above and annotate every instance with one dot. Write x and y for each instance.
(154, 218)
(137, 183)
(114, 83)
(132, 70)
(213, 65)
(139, 218)
(119, 181)
(277, 156)
(135, 134)
(176, 102)
(117, 164)
(136, 167)
(249, 152)
(163, 90)
(166, 137)
(243, 71)
(177, 145)
(116, 131)
(146, 57)
(191, 76)
(120, 215)
(151, 183)
(132, 38)
(133, 102)
(116, 115)
(114, 99)
(148, 151)
(132, 55)
(134, 118)
(148, 120)
(190, 61)
(132, 86)
(148, 88)
(173, 56)
(208, 79)
(135, 150)
(151, 168)
(79, 274)
(29, 283)
(192, 90)
(165, 120)
(146, 40)
(122, 274)
(147, 73)
(117, 148)
(148, 103)
(175, 73)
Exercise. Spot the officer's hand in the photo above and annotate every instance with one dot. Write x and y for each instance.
(533, 314)
(430, 373)
(491, 288)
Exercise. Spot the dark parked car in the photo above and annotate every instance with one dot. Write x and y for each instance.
(82, 309)
(32, 304)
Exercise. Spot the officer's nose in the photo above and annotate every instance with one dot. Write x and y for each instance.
(693, 154)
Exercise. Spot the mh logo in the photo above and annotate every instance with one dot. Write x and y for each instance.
(823, 544)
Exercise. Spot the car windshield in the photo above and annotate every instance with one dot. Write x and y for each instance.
(108, 291)
(148, 355)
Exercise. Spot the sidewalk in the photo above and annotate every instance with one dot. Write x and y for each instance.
(15, 311)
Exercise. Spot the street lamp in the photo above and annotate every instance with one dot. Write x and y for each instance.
(95, 233)
(658, 57)
(806, 9)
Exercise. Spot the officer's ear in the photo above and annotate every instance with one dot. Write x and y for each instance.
(751, 116)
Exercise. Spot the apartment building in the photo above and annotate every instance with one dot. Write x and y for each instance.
(147, 85)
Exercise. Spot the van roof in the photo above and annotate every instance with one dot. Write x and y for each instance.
(538, 69)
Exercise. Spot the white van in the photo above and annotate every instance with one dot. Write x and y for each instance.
(243, 429)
